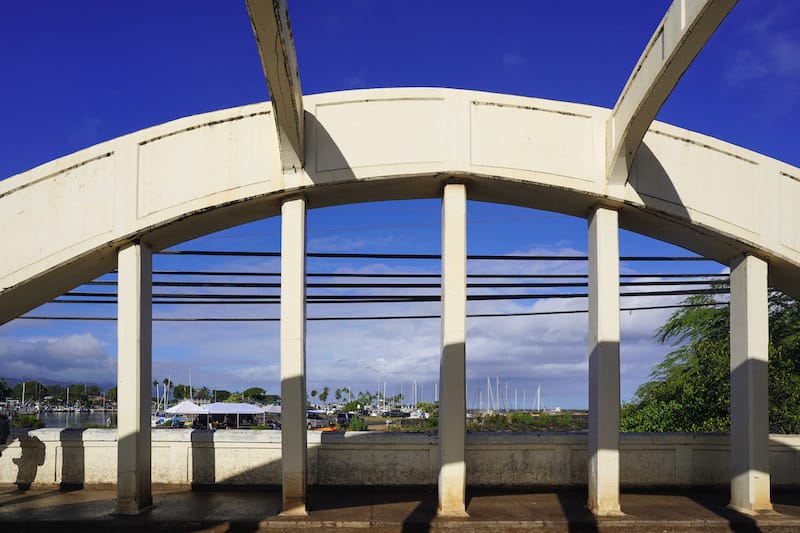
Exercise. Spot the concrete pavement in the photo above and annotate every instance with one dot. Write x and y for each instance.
(178, 508)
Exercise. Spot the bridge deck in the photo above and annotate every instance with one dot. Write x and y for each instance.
(384, 509)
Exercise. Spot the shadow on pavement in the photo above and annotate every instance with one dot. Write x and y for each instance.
(420, 518)
(412, 507)
(716, 500)
(177, 510)
(786, 497)
(703, 504)
(578, 517)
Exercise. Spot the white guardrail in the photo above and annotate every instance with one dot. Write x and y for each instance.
(252, 457)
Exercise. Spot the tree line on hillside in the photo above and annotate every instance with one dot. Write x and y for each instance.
(179, 392)
(35, 391)
(690, 390)
(687, 392)
(350, 401)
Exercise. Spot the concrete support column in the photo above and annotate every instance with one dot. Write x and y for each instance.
(452, 371)
(293, 356)
(750, 492)
(134, 361)
(604, 362)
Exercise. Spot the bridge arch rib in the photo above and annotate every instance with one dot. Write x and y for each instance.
(78, 216)
(66, 220)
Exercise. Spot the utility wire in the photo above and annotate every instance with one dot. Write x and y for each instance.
(178, 298)
(387, 317)
(340, 285)
(493, 257)
(212, 273)
(240, 299)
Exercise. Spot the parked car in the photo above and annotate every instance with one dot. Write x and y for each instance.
(317, 420)
(342, 419)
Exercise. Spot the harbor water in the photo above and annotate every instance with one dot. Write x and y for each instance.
(79, 420)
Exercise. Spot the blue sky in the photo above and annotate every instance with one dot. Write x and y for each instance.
(78, 74)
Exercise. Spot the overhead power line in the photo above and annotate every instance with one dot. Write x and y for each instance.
(398, 287)
(262, 299)
(355, 318)
(420, 275)
(480, 257)
(340, 285)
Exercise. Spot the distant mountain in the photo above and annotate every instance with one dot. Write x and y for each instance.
(14, 381)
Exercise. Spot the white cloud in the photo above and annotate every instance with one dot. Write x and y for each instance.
(512, 59)
(341, 243)
(534, 267)
(356, 80)
(70, 358)
(768, 49)
(524, 351)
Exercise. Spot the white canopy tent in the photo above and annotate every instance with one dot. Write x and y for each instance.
(186, 407)
(223, 408)
(238, 409)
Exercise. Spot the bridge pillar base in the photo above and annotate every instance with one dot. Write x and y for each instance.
(134, 374)
(293, 356)
(604, 339)
(452, 372)
(749, 339)
(753, 512)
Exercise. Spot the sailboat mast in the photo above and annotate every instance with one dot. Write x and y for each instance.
(539, 398)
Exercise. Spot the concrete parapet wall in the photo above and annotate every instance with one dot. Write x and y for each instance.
(234, 457)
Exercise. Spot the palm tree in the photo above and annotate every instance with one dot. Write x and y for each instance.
(167, 387)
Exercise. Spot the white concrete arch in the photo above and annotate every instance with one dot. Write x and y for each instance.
(66, 219)
(115, 203)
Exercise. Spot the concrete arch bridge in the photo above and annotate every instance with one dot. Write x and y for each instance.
(111, 205)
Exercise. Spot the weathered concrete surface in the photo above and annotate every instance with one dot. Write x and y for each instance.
(134, 371)
(680, 36)
(294, 447)
(604, 336)
(273, 32)
(453, 365)
(240, 457)
(385, 509)
(749, 334)
(196, 175)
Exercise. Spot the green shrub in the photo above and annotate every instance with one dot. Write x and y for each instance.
(27, 422)
(474, 427)
(544, 421)
(525, 421)
(521, 418)
(357, 424)
(520, 421)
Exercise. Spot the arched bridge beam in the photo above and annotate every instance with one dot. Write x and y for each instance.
(682, 33)
(273, 32)
(196, 175)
